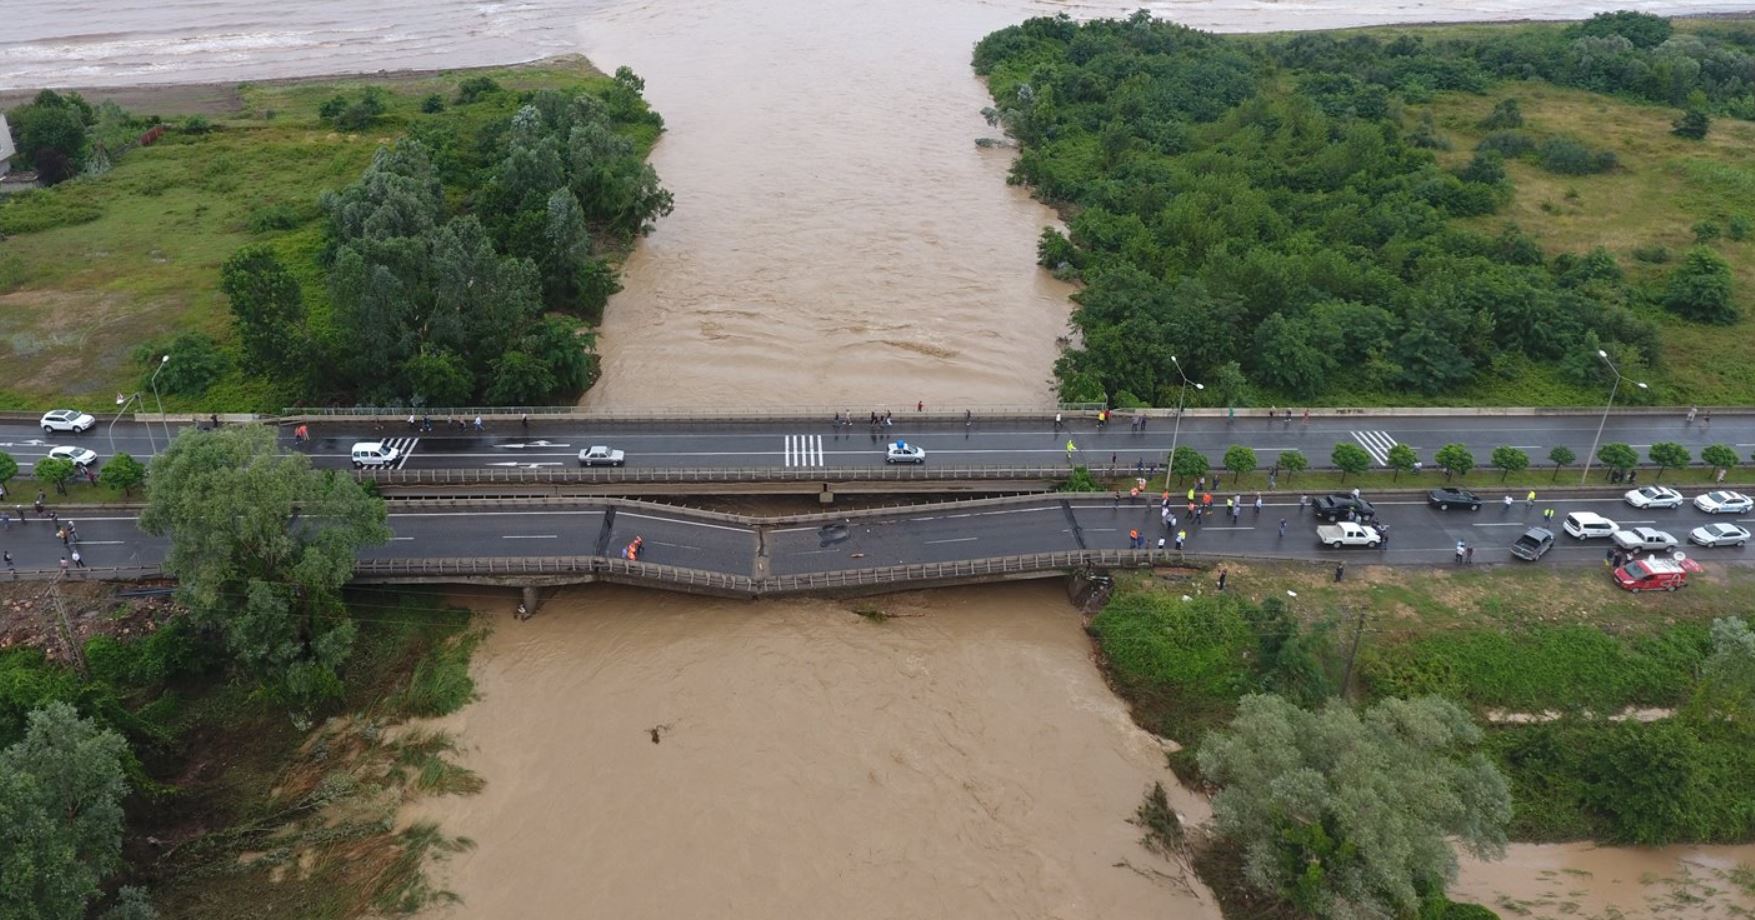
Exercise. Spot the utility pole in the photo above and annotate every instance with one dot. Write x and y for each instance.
(1352, 653)
(65, 627)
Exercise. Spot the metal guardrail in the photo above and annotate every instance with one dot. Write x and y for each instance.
(556, 565)
(860, 412)
(459, 476)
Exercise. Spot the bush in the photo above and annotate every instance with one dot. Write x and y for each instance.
(1739, 227)
(196, 361)
(1505, 115)
(1508, 144)
(281, 216)
(475, 88)
(1654, 254)
(440, 684)
(1569, 157)
(1693, 124)
(1706, 231)
(1184, 663)
(1700, 288)
(433, 104)
(41, 209)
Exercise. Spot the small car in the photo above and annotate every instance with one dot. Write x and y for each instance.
(1447, 498)
(1718, 535)
(1586, 525)
(1655, 574)
(1654, 497)
(1534, 544)
(904, 452)
(1641, 538)
(1333, 508)
(78, 456)
(374, 453)
(1723, 502)
(66, 420)
(600, 455)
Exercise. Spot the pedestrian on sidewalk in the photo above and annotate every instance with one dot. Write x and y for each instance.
(1222, 574)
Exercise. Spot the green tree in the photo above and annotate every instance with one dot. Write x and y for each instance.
(1454, 460)
(269, 310)
(1717, 456)
(1350, 814)
(1727, 679)
(1239, 460)
(1692, 124)
(1668, 455)
(8, 468)
(261, 545)
(519, 380)
(438, 378)
(61, 790)
(1560, 456)
(1350, 459)
(51, 123)
(1293, 462)
(1646, 778)
(125, 473)
(1700, 288)
(196, 363)
(56, 472)
(1188, 463)
(1618, 457)
(1509, 460)
(1402, 459)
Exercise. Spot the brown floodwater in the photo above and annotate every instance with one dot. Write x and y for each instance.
(1583, 881)
(963, 759)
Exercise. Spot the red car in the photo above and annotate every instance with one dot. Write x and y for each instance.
(1654, 574)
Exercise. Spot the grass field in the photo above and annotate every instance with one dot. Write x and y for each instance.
(94, 268)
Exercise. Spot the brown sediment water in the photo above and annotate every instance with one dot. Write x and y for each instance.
(651, 755)
(1567, 881)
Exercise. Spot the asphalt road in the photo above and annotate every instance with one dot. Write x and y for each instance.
(555, 444)
(940, 533)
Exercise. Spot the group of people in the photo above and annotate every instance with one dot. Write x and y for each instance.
(65, 531)
(425, 423)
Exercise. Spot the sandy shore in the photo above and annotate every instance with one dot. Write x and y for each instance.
(221, 98)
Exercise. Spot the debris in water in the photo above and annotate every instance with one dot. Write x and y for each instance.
(657, 731)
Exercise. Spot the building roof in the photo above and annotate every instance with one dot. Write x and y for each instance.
(6, 148)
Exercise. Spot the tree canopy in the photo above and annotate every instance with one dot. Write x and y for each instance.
(1352, 814)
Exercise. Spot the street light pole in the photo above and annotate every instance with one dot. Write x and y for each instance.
(161, 403)
(1583, 477)
(121, 407)
(1176, 429)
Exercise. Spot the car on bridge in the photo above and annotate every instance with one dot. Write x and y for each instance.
(1654, 497)
(78, 456)
(1641, 538)
(1723, 502)
(66, 420)
(1656, 574)
(601, 455)
(374, 453)
(1534, 544)
(1587, 525)
(1447, 498)
(1347, 533)
(1332, 508)
(904, 452)
(1718, 535)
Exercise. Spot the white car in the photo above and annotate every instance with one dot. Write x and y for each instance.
(78, 456)
(1718, 535)
(904, 452)
(1643, 538)
(1654, 497)
(1723, 503)
(374, 453)
(66, 420)
(1585, 525)
(602, 456)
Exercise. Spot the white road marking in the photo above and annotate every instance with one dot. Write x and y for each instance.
(1376, 443)
(804, 450)
(953, 540)
(401, 538)
(647, 517)
(102, 542)
(1505, 524)
(529, 536)
(1223, 528)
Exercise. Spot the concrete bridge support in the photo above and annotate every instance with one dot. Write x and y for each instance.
(532, 596)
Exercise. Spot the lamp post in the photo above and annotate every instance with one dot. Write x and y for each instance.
(121, 407)
(1605, 420)
(1176, 429)
(161, 403)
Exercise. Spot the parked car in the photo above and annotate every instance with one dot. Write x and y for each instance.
(1655, 574)
(374, 453)
(1447, 498)
(66, 420)
(1347, 533)
(904, 452)
(601, 455)
(1335, 507)
(1723, 502)
(1718, 535)
(1642, 538)
(1534, 544)
(1587, 525)
(78, 456)
(1654, 497)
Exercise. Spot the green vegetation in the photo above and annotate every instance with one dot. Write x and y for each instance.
(1326, 213)
(169, 215)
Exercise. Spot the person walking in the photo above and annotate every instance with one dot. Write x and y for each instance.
(1508, 503)
(1468, 555)
(920, 406)
(1548, 516)
(1282, 528)
(63, 566)
(1200, 514)
(78, 560)
(1071, 449)
(1258, 503)
(1460, 549)
(1160, 544)
(9, 566)
(18, 512)
(479, 427)
(1181, 536)
(39, 503)
(1692, 411)
(6, 520)
(1057, 421)
(1340, 571)
(1222, 576)
(1303, 503)
(1355, 493)
(1529, 501)
(1236, 511)
(1383, 536)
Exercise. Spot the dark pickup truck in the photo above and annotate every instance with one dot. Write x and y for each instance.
(1335, 507)
(1534, 542)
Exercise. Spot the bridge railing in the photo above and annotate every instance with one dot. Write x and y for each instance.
(646, 475)
(822, 414)
(555, 566)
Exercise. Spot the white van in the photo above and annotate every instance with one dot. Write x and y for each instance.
(374, 453)
(1587, 525)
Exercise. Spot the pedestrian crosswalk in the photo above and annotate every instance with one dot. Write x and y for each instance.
(804, 450)
(1376, 443)
(404, 447)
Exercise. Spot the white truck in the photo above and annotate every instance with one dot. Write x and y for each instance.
(1347, 533)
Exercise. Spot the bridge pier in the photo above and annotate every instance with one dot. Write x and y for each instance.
(531, 598)
(826, 496)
